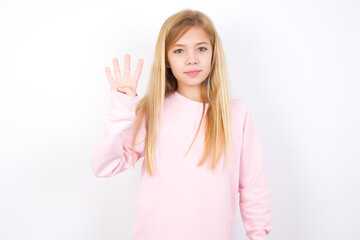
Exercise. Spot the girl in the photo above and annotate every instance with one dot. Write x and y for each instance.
(186, 126)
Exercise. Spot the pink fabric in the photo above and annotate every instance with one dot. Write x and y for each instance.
(184, 201)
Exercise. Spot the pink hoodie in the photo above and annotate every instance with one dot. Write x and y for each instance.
(182, 201)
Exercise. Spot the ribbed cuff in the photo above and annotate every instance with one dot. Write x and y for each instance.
(122, 104)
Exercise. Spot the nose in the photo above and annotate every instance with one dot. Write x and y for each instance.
(191, 58)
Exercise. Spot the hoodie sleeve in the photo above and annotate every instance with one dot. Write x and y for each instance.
(254, 192)
(113, 150)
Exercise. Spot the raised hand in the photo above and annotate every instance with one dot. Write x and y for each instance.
(124, 83)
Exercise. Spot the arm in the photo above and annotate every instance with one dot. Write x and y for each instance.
(253, 184)
(112, 152)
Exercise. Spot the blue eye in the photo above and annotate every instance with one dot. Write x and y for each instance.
(203, 48)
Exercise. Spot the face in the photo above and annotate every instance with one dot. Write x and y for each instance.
(192, 52)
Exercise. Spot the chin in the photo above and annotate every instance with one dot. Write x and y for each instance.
(191, 83)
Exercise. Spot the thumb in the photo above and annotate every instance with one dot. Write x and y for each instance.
(120, 89)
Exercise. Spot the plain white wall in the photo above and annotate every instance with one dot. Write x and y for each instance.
(294, 63)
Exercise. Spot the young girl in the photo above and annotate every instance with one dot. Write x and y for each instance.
(200, 146)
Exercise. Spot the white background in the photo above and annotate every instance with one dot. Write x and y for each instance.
(294, 63)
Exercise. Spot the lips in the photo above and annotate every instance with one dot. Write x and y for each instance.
(193, 71)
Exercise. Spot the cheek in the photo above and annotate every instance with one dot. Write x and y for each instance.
(207, 61)
(175, 66)
(206, 58)
(171, 62)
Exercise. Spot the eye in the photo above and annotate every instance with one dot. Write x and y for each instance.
(204, 49)
(176, 51)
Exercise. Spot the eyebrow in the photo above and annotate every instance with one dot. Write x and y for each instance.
(181, 45)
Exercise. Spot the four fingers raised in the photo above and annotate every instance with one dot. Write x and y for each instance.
(124, 80)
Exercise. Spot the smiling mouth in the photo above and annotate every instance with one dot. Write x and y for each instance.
(193, 73)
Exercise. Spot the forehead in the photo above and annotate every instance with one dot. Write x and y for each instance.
(193, 36)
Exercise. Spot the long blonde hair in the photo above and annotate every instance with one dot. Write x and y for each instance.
(216, 90)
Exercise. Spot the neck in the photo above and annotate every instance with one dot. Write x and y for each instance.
(197, 93)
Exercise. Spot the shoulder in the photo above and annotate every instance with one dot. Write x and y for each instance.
(238, 106)
(238, 115)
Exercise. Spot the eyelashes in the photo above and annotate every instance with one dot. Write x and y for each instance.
(176, 51)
